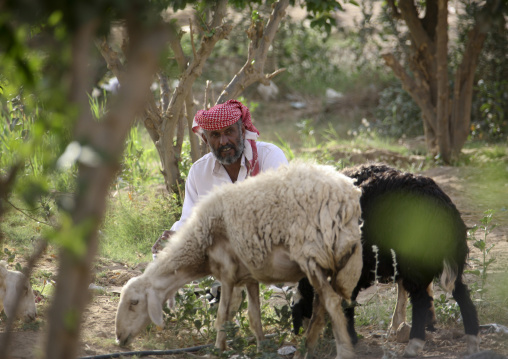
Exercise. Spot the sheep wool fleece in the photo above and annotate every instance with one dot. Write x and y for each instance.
(313, 210)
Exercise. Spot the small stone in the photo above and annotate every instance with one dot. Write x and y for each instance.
(403, 333)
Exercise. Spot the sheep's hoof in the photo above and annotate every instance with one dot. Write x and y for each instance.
(414, 347)
(473, 344)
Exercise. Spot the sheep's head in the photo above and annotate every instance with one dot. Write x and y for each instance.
(18, 288)
(139, 303)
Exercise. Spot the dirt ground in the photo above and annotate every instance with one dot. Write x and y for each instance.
(464, 185)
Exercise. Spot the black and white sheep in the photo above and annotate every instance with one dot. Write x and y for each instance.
(412, 216)
(15, 289)
(300, 220)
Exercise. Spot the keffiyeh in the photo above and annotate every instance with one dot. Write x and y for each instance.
(224, 115)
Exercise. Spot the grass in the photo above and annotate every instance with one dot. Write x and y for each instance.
(134, 221)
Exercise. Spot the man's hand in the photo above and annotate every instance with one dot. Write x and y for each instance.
(161, 241)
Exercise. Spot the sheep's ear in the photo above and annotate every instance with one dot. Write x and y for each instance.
(155, 308)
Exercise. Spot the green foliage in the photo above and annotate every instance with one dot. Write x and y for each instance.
(192, 311)
(397, 114)
(491, 110)
(134, 221)
(307, 57)
(489, 119)
(483, 263)
(447, 311)
(134, 170)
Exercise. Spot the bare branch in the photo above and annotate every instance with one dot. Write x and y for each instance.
(395, 10)
(273, 74)
(165, 90)
(418, 34)
(176, 46)
(219, 13)
(192, 39)
(196, 67)
(463, 86)
(112, 59)
(442, 105)
(193, 139)
(261, 39)
(418, 93)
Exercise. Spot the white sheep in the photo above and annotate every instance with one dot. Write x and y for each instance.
(15, 286)
(279, 226)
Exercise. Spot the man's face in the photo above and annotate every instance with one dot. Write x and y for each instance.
(227, 144)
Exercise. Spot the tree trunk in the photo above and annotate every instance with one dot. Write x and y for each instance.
(107, 140)
(446, 115)
(443, 117)
(463, 89)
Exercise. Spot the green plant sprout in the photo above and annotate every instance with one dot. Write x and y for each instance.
(484, 261)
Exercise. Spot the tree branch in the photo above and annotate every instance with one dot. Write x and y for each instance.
(195, 68)
(418, 93)
(94, 179)
(443, 91)
(253, 70)
(395, 10)
(112, 59)
(418, 34)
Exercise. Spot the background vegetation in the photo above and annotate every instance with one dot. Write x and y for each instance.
(367, 109)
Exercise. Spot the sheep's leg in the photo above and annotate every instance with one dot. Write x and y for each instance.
(469, 315)
(254, 312)
(332, 303)
(399, 314)
(421, 305)
(223, 314)
(316, 324)
(302, 305)
(349, 312)
(236, 301)
(431, 315)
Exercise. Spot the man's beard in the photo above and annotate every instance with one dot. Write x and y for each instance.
(229, 159)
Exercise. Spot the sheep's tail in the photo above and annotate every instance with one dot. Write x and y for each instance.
(448, 276)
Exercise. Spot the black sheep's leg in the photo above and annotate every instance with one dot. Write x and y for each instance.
(349, 312)
(469, 315)
(302, 304)
(431, 314)
(421, 305)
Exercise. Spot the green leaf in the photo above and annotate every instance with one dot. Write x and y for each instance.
(474, 272)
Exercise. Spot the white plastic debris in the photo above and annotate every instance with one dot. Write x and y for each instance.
(287, 350)
(495, 328)
(332, 95)
(95, 287)
(269, 92)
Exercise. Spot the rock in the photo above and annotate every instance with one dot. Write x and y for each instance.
(403, 333)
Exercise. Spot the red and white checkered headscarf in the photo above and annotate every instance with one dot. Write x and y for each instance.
(224, 115)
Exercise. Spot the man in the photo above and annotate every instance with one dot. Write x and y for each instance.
(235, 154)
